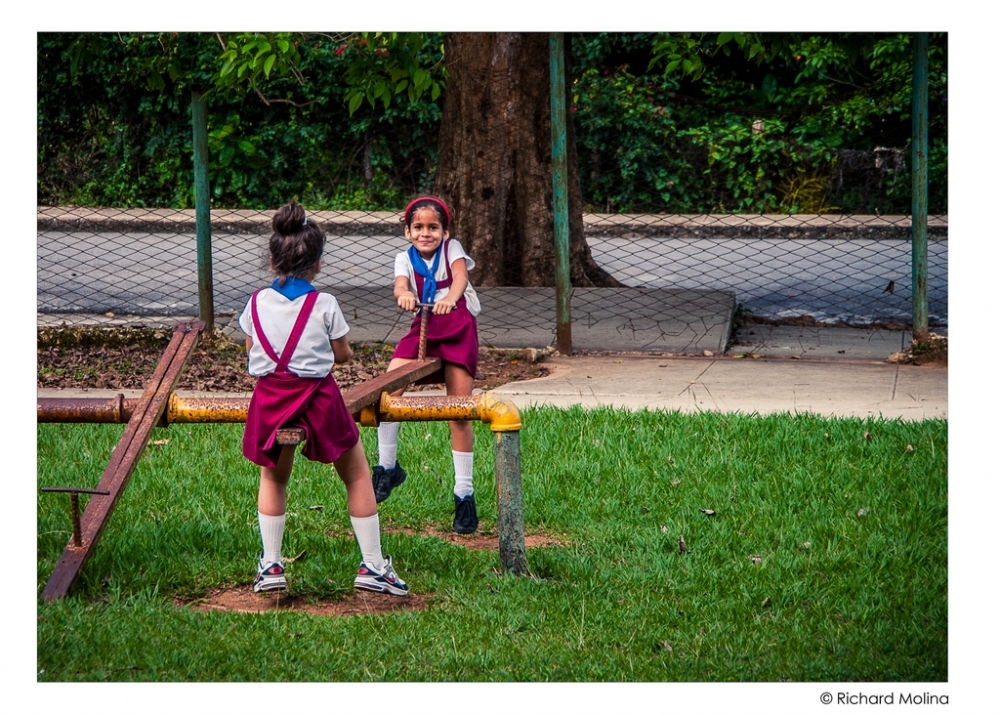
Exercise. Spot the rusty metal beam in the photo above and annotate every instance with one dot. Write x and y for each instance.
(493, 409)
(216, 410)
(84, 410)
(369, 392)
(124, 458)
(290, 437)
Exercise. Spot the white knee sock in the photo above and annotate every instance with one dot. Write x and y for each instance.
(272, 529)
(367, 531)
(463, 473)
(388, 437)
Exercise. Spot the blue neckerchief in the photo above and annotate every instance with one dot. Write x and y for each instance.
(293, 287)
(420, 267)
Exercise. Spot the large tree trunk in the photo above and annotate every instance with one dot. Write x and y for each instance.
(495, 162)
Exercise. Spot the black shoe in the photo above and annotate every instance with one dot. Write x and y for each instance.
(466, 520)
(384, 481)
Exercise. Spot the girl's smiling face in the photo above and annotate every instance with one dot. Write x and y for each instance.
(425, 232)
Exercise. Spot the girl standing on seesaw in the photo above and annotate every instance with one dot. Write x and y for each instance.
(435, 271)
(294, 335)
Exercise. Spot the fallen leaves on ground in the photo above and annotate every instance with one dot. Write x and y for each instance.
(125, 358)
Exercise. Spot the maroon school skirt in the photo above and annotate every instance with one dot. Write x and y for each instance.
(452, 337)
(286, 400)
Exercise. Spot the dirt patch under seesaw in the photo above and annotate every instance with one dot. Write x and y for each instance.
(359, 602)
(484, 539)
(243, 599)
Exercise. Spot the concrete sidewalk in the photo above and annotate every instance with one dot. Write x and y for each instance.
(829, 388)
(828, 371)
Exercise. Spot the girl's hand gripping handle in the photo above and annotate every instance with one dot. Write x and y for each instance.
(407, 301)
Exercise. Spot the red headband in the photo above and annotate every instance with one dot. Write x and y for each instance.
(438, 201)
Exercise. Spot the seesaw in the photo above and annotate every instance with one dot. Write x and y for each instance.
(370, 403)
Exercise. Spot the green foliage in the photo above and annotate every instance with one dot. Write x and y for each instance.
(733, 121)
(683, 53)
(621, 122)
(806, 193)
(384, 65)
(115, 127)
(641, 150)
(744, 164)
(682, 123)
(250, 56)
(92, 149)
(377, 66)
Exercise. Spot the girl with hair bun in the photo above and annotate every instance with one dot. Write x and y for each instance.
(294, 334)
(435, 271)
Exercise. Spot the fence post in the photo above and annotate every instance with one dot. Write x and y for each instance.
(560, 193)
(510, 508)
(202, 210)
(918, 219)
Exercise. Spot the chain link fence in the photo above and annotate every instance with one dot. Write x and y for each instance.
(831, 269)
(140, 267)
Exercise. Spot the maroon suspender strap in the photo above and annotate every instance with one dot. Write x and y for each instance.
(261, 338)
(300, 325)
(293, 338)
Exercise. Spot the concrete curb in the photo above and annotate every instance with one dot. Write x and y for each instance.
(232, 221)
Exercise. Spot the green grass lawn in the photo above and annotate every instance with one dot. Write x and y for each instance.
(825, 560)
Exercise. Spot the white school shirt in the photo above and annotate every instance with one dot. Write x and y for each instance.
(313, 357)
(403, 267)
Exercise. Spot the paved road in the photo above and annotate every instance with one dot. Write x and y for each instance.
(840, 281)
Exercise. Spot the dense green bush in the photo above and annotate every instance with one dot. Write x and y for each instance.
(109, 136)
(812, 129)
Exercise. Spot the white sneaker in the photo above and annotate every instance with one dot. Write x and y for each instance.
(383, 581)
(270, 576)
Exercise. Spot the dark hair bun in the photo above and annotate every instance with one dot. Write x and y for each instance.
(289, 219)
(296, 245)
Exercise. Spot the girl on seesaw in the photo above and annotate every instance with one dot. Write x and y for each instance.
(294, 334)
(435, 271)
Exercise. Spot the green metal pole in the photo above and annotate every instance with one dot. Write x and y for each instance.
(919, 212)
(560, 193)
(202, 211)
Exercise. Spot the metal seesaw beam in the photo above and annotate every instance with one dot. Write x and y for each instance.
(124, 458)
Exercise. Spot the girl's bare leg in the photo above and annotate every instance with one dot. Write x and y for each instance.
(271, 516)
(458, 382)
(388, 434)
(273, 484)
(352, 468)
